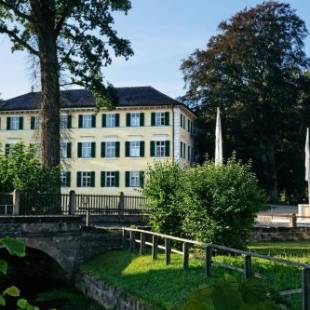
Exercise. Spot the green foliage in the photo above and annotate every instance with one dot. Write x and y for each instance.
(262, 90)
(204, 202)
(82, 29)
(21, 169)
(230, 293)
(221, 203)
(164, 188)
(17, 248)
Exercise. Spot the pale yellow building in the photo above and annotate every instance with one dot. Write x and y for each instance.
(109, 151)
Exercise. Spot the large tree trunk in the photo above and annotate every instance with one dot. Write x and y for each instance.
(50, 105)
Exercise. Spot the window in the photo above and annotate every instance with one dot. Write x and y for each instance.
(183, 121)
(8, 148)
(189, 155)
(160, 148)
(15, 123)
(86, 150)
(134, 149)
(160, 119)
(87, 121)
(134, 119)
(34, 122)
(110, 149)
(65, 150)
(65, 121)
(86, 179)
(65, 179)
(110, 179)
(182, 150)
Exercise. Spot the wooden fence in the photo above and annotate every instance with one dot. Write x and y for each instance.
(138, 236)
(27, 203)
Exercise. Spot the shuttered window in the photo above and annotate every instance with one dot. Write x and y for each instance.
(160, 148)
(65, 178)
(85, 179)
(134, 178)
(110, 179)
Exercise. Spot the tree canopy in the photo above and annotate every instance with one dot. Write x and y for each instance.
(73, 37)
(254, 70)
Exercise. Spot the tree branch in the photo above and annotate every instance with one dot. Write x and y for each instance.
(15, 10)
(17, 39)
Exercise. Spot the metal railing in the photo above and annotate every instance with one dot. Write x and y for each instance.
(28, 203)
(209, 249)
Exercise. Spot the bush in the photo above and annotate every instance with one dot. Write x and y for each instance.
(221, 203)
(164, 189)
(21, 169)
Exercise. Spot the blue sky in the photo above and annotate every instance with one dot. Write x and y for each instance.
(162, 33)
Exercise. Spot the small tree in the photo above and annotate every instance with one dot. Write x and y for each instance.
(164, 189)
(221, 203)
(21, 169)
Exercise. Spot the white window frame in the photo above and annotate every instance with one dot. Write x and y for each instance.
(134, 178)
(134, 148)
(86, 121)
(110, 149)
(64, 121)
(36, 122)
(14, 122)
(63, 150)
(86, 149)
(160, 148)
(86, 179)
(110, 120)
(110, 179)
(160, 118)
(135, 119)
(63, 179)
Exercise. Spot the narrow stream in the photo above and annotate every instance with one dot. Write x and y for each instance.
(42, 282)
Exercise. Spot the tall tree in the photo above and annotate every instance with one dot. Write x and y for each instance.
(254, 70)
(73, 36)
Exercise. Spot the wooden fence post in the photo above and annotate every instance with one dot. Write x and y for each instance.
(16, 202)
(185, 255)
(208, 260)
(247, 266)
(121, 204)
(168, 251)
(154, 246)
(87, 218)
(72, 203)
(293, 222)
(123, 238)
(132, 240)
(306, 288)
(142, 243)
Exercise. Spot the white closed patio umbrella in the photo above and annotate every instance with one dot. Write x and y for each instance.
(307, 162)
(218, 140)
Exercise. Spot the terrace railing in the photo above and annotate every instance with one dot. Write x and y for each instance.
(28, 203)
(183, 246)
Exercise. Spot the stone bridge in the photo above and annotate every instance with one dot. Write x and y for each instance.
(63, 238)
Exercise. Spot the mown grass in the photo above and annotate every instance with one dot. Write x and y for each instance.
(167, 286)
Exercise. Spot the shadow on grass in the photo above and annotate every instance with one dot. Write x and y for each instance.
(153, 281)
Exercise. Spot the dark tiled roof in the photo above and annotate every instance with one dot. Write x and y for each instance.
(80, 98)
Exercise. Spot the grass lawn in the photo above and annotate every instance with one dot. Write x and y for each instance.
(167, 286)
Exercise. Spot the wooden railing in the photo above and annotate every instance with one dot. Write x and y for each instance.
(130, 235)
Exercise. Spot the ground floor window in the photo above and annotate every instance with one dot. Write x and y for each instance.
(86, 179)
(134, 178)
(65, 179)
(110, 179)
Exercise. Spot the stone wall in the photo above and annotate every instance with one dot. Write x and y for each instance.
(280, 234)
(108, 296)
(95, 241)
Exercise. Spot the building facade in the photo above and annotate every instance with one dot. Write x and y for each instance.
(106, 152)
